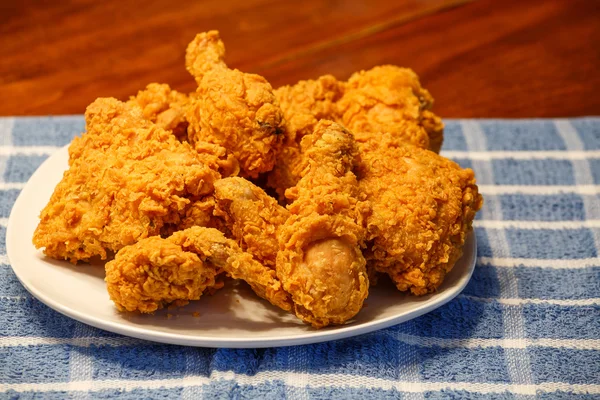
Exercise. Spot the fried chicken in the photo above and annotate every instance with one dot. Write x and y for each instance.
(390, 99)
(383, 99)
(155, 272)
(252, 216)
(303, 105)
(127, 180)
(163, 106)
(423, 208)
(320, 262)
(231, 109)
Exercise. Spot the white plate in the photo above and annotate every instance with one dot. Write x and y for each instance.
(233, 317)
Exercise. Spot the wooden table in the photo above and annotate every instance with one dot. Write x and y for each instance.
(486, 58)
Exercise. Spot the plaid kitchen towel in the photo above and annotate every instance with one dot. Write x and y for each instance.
(526, 326)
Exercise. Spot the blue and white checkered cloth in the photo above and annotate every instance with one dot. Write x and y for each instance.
(527, 325)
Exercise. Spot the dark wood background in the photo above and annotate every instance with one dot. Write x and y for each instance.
(483, 58)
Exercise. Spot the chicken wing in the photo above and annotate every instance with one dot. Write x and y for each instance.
(154, 272)
(232, 109)
(127, 180)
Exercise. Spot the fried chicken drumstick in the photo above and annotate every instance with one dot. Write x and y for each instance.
(231, 109)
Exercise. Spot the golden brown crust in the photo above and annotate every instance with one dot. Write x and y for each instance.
(423, 208)
(320, 261)
(383, 99)
(155, 272)
(386, 99)
(225, 254)
(252, 216)
(232, 109)
(127, 179)
(163, 106)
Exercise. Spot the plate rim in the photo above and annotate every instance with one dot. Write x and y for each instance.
(144, 333)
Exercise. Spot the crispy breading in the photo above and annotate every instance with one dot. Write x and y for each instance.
(232, 109)
(320, 262)
(163, 106)
(423, 206)
(383, 99)
(127, 179)
(155, 271)
(252, 216)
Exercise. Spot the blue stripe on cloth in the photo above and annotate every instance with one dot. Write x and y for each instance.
(454, 138)
(10, 285)
(551, 244)
(521, 135)
(276, 389)
(561, 322)
(532, 172)
(148, 362)
(49, 131)
(540, 243)
(589, 132)
(468, 365)
(559, 207)
(7, 200)
(21, 364)
(29, 317)
(550, 283)
(484, 282)
(19, 168)
(565, 365)
(459, 319)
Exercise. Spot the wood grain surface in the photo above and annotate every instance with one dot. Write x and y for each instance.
(483, 58)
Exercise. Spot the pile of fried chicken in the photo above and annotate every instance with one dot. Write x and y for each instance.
(173, 189)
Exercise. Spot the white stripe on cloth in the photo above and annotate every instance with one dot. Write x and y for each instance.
(552, 225)
(517, 359)
(515, 301)
(539, 189)
(298, 379)
(10, 185)
(9, 150)
(6, 128)
(522, 155)
(511, 262)
(81, 363)
(192, 369)
(194, 359)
